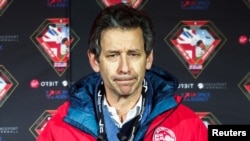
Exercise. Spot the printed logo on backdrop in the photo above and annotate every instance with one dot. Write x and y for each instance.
(54, 88)
(243, 39)
(38, 126)
(195, 4)
(197, 92)
(7, 85)
(195, 43)
(138, 4)
(244, 85)
(58, 3)
(55, 39)
(193, 96)
(212, 86)
(208, 118)
(247, 2)
(203, 85)
(4, 4)
(8, 131)
(8, 39)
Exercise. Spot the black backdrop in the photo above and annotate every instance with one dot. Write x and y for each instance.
(32, 86)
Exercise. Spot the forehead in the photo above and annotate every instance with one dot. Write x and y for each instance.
(117, 37)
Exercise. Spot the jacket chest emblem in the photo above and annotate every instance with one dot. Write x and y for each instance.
(163, 134)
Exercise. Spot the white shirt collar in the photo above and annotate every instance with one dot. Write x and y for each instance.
(130, 115)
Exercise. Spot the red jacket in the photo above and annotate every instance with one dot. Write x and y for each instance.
(168, 119)
(170, 123)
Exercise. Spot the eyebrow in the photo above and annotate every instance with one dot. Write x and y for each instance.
(130, 50)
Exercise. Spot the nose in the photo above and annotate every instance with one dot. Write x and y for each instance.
(124, 65)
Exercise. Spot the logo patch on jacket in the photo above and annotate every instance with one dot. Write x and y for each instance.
(164, 134)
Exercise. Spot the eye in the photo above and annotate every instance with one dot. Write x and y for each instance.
(112, 55)
(134, 54)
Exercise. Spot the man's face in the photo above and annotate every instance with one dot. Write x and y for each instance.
(123, 62)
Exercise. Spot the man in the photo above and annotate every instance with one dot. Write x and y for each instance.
(127, 98)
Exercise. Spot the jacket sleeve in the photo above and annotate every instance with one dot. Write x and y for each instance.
(46, 134)
(203, 132)
(58, 130)
(50, 129)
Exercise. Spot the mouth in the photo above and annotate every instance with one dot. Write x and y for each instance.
(125, 80)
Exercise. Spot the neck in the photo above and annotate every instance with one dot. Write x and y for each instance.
(123, 104)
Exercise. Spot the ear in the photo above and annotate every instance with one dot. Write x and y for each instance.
(150, 59)
(93, 62)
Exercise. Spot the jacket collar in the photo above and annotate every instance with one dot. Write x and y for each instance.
(81, 113)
